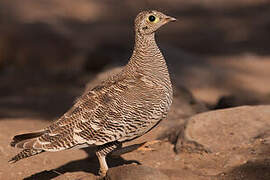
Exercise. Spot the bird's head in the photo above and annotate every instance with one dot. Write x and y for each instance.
(147, 22)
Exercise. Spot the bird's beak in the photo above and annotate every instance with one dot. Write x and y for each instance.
(170, 19)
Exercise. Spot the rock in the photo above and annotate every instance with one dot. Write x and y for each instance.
(77, 176)
(252, 170)
(185, 174)
(223, 130)
(185, 104)
(134, 172)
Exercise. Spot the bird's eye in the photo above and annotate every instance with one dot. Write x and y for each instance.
(151, 18)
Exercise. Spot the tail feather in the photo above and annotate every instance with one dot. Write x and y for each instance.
(24, 154)
(27, 144)
(26, 141)
(20, 139)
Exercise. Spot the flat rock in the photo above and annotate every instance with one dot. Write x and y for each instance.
(135, 172)
(223, 130)
(252, 170)
(77, 176)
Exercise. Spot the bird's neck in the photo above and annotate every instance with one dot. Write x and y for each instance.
(148, 61)
(147, 57)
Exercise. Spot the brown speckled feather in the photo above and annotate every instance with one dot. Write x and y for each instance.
(114, 110)
(119, 109)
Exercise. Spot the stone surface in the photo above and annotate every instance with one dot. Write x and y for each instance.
(252, 170)
(77, 176)
(135, 172)
(224, 130)
(185, 104)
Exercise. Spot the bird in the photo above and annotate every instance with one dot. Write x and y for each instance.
(121, 108)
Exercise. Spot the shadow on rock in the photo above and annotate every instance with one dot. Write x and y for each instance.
(134, 172)
(240, 100)
(252, 170)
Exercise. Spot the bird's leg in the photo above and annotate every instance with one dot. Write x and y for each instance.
(103, 164)
(102, 152)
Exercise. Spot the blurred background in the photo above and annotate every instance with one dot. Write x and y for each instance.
(218, 54)
(49, 50)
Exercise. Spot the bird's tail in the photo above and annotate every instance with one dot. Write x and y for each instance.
(25, 153)
(24, 140)
(27, 142)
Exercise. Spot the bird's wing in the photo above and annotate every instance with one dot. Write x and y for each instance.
(115, 110)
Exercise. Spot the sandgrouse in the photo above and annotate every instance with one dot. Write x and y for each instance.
(121, 108)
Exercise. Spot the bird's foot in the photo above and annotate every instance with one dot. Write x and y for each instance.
(147, 146)
(102, 173)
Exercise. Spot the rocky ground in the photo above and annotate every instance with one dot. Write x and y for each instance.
(218, 127)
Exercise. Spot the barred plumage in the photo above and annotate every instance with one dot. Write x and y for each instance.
(123, 107)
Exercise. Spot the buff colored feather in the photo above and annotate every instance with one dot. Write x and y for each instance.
(121, 108)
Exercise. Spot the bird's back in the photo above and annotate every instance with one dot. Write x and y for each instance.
(121, 108)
